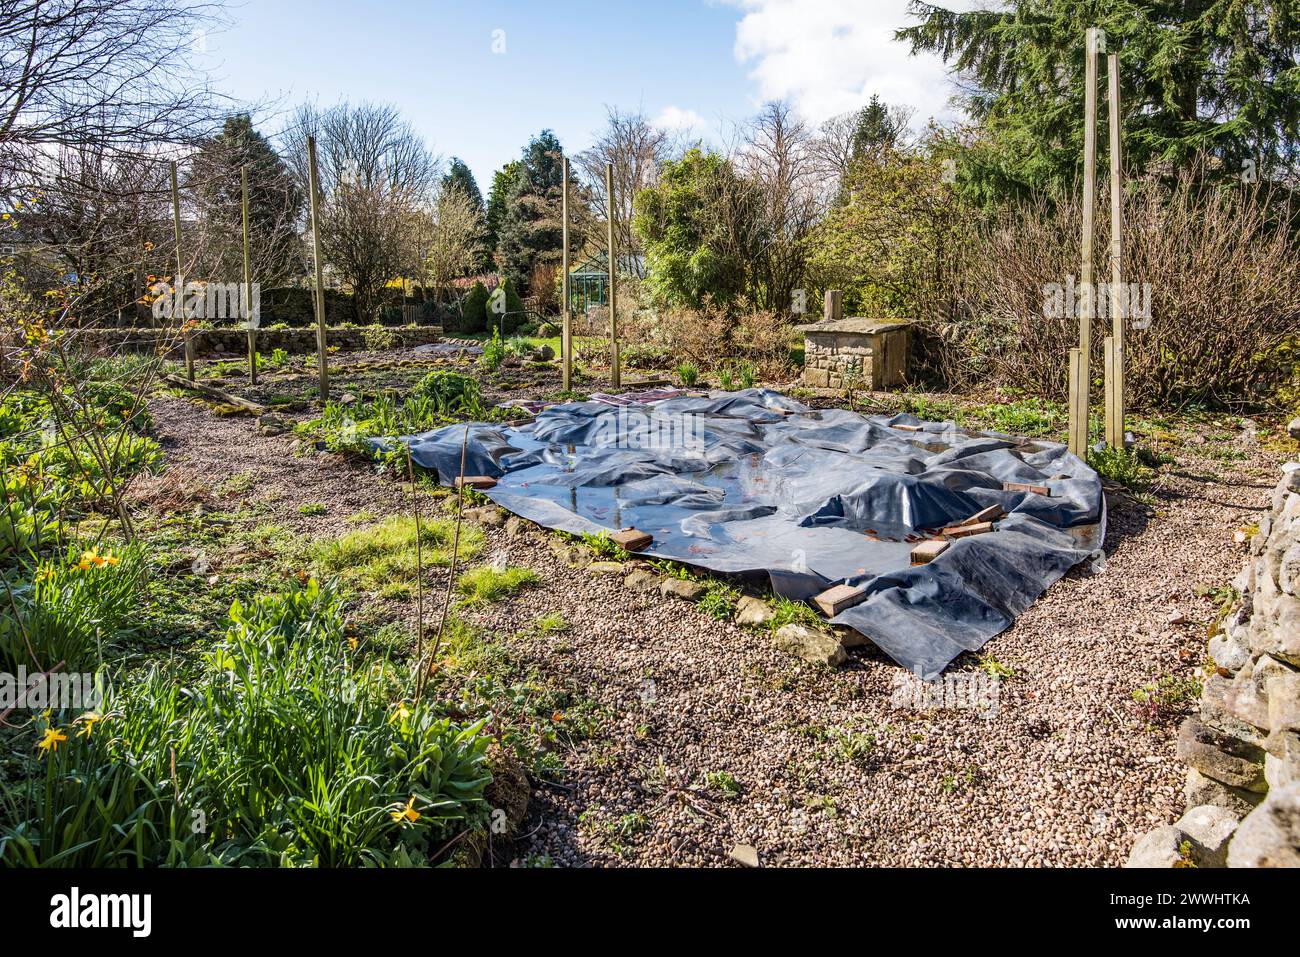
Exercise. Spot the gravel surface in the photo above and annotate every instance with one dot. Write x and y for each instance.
(837, 767)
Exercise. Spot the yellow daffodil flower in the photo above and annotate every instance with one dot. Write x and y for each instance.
(408, 813)
(53, 738)
(88, 722)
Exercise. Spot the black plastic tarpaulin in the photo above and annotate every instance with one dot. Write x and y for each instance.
(753, 481)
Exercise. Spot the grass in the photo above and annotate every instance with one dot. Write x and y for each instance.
(551, 624)
(719, 601)
(312, 508)
(483, 586)
(382, 558)
(787, 612)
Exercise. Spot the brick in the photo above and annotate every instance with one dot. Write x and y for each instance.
(963, 531)
(990, 514)
(835, 600)
(927, 552)
(1024, 487)
(632, 539)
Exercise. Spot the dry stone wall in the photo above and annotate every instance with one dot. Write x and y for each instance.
(1242, 750)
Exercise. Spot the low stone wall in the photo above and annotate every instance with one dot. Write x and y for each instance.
(1243, 748)
(830, 359)
(234, 342)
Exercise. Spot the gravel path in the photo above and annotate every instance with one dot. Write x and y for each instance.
(830, 768)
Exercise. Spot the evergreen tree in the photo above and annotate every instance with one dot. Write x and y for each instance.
(502, 180)
(877, 128)
(458, 174)
(531, 229)
(1212, 76)
(275, 206)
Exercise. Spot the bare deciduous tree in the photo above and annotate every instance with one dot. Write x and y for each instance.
(455, 240)
(776, 158)
(109, 72)
(637, 150)
(376, 173)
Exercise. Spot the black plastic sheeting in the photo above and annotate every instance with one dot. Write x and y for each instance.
(753, 481)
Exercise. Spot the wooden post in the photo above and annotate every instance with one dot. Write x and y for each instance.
(314, 185)
(1078, 436)
(178, 287)
(615, 376)
(1087, 301)
(566, 333)
(248, 284)
(833, 306)
(1117, 300)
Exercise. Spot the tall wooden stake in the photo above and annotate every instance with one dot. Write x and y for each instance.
(248, 284)
(566, 333)
(314, 185)
(179, 282)
(1117, 300)
(1087, 302)
(615, 377)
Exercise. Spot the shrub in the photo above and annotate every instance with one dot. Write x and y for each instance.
(1222, 267)
(380, 338)
(473, 309)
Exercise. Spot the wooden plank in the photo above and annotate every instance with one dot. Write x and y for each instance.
(632, 539)
(615, 374)
(1108, 359)
(927, 552)
(178, 281)
(1087, 302)
(218, 395)
(990, 514)
(833, 306)
(964, 531)
(836, 599)
(1118, 313)
(313, 183)
(1078, 404)
(1025, 487)
(566, 332)
(248, 282)
(481, 482)
(909, 428)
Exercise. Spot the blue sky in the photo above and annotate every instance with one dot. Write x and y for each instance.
(694, 64)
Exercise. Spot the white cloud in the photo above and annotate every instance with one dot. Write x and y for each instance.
(830, 56)
(677, 119)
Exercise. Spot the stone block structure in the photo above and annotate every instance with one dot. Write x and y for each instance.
(856, 353)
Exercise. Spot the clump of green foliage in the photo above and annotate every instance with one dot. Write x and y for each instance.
(494, 352)
(483, 586)
(452, 393)
(688, 373)
(1122, 467)
(1166, 697)
(382, 559)
(330, 774)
